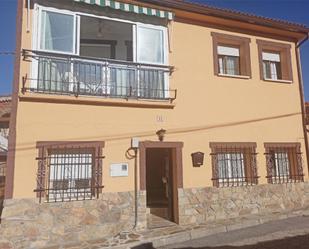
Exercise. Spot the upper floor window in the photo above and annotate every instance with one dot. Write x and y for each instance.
(105, 38)
(99, 56)
(150, 45)
(275, 61)
(57, 32)
(228, 60)
(233, 164)
(284, 162)
(271, 65)
(231, 55)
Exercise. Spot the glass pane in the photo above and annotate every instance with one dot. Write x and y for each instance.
(237, 165)
(57, 32)
(232, 65)
(150, 46)
(282, 164)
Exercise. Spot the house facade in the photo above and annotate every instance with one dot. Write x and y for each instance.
(123, 109)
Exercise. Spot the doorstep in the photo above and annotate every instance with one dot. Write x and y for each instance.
(159, 237)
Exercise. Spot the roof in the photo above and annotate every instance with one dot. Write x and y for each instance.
(201, 8)
(248, 15)
(5, 106)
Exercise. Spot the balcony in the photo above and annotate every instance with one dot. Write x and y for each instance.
(61, 74)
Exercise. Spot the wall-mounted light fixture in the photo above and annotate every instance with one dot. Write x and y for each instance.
(197, 159)
(161, 134)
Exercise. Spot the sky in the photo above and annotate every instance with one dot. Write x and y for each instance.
(291, 10)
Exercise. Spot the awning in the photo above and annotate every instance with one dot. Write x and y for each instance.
(130, 8)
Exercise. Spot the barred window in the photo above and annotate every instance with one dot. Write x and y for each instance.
(69, 171)
(234, 164)
(284, 162)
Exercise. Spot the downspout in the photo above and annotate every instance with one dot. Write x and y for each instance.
(28, 16)
(135, 189)
(301, 92)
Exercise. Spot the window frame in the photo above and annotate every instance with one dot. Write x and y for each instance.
(76, 31)
(243, 43)
(224, 62)
(44, 148)
(36, 38)
(293, 151)
(284, 50)
(248, 151)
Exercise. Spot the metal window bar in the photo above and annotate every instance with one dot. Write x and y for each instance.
(76, 75)
(234, 166)
(284, 165)
(69, 174)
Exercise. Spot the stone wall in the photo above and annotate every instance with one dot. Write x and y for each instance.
(201, 205)
(29, 224)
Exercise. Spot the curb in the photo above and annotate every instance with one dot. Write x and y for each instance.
(197, 233)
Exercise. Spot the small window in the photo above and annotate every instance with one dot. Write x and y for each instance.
(231, 55)
(275, 61)
(271, 65)
(234, 164)
(228, 60)
(57, 32)
(284, 163)
(72, 171)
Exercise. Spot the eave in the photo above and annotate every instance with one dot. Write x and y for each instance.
(231, 20)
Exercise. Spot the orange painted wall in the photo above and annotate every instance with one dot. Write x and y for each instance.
(208, 108)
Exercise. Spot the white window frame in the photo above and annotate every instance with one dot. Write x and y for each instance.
(165, 42)
(77, 15)
(277, 160)
(272, 63)
(227, 157)
(76, 31)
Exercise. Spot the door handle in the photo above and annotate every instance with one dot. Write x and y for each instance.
(164, 180)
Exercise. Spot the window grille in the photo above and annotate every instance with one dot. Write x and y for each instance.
(69, 172)
(284, 163)
(234, 164)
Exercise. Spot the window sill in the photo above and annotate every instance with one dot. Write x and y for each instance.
(83, 100)
(279, 81)
(234, 76)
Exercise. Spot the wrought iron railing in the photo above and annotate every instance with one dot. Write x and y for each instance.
(76, 75)
(284, 164)
(234, 165)
(69, 173)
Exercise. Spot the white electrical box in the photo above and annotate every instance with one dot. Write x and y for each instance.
(119, 169)
(134, 142)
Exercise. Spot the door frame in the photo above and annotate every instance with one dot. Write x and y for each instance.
(176, 167)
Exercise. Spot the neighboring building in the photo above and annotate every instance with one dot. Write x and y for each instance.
(213, 96)
(5, 111)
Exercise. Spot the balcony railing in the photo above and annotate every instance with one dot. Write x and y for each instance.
(75, 75)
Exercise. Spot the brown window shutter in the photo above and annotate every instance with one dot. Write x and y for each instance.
(249, 166)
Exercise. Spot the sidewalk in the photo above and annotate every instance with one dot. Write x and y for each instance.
(160, 237)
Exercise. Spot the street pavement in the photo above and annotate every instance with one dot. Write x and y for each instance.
(291, 233)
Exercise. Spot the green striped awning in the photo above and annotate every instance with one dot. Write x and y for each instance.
(130, 8)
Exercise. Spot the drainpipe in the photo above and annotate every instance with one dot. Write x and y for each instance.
(28, 16)
(301, 92)
(135, 189)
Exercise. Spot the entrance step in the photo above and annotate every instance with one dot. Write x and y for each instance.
(154, 221)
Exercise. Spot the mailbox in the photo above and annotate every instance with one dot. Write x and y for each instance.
(197, 159)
